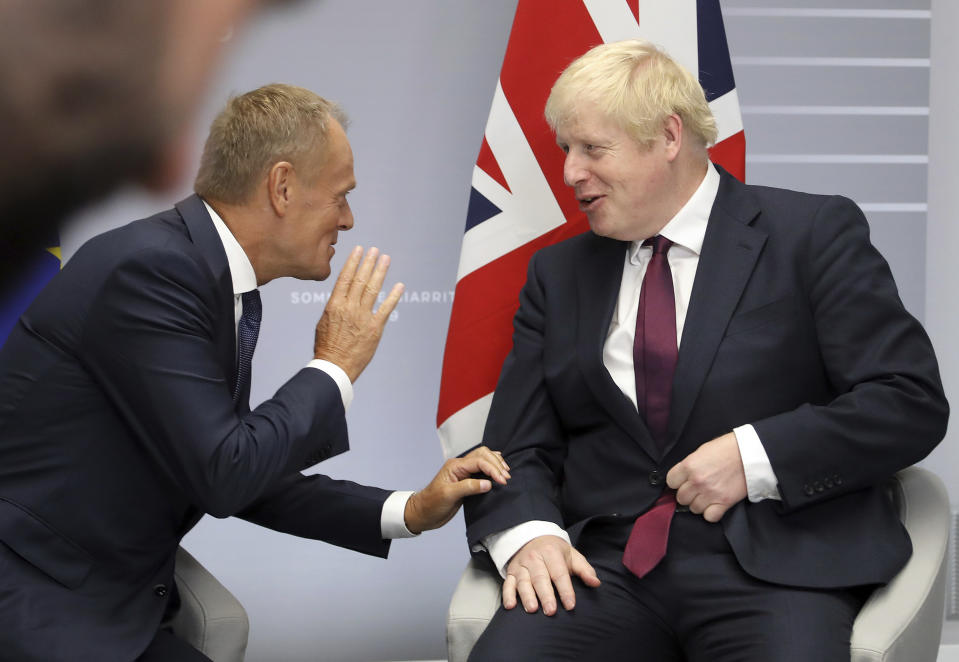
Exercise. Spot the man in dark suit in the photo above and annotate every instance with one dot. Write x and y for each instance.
(124, 413)
(703, 399)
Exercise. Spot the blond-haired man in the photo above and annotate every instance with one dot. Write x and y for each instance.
(704, 395)
(126, 385)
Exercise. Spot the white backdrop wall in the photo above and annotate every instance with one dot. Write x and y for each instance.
(942, 274)
(835, 99)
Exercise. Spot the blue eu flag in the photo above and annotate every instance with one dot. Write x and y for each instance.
(31, 279)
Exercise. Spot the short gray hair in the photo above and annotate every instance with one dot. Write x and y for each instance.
(273, 123)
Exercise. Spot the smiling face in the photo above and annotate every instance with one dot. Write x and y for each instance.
(318, 209)
(623, 186)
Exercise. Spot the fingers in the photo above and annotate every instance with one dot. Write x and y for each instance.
(564, 587)
(554, 570)
(436, 504)
(711, 479)
(481, 459)
(361, 280)
(676, 477)
(370, 284)
(461, 489)
(441, 500)
(582, 569)
(538, 567)
(389, 303)
(527, 594)
(714, 512)
(509, 592)
(367, 281)
(699, 504)
(695, 496)
(686, 493)
(541, 579)
(349, 331)
(494, 471)
(342, 286)
(494, 458)
(361, 277)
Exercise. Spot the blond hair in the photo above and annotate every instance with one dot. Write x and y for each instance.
(272, 123)
(636, 85)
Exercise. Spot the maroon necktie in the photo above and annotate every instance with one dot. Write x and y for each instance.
(654, 361)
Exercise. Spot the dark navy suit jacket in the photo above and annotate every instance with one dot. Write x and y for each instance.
(118, 432)
(794, 325)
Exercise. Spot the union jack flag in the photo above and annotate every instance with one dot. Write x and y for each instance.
(519, 203)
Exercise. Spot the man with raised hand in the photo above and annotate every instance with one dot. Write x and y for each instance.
(124, 388)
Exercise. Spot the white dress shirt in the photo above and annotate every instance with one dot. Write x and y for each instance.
(392, 518)
(686, 230)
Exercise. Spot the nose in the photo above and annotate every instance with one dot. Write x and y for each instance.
(346, 220)
(573, 171)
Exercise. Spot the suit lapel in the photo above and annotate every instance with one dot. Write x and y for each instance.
(207, 240)
(730, 250)
(599, 275)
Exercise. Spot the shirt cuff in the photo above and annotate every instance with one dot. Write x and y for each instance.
(339, 376)
(761, 481)
(393, 517)
(503, 545)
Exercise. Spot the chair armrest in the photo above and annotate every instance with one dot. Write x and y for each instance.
(902, 621)
(210, 618)
(475, 600)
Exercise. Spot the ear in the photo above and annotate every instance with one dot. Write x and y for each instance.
(673, 133)
(280, 182)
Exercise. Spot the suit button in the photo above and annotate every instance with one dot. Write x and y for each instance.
(160, 590)
(655, 477)
(837, 480)
(808, 490)
(828, 483)
(818, 486)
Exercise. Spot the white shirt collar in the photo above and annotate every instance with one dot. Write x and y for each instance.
(688, 227)
(241, 269)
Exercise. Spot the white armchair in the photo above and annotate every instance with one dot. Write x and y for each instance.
(900, 622)
(210, 618)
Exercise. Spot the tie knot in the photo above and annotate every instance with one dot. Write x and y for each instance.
(659, 243)
(252, 306)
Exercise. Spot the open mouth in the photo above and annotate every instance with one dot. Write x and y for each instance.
(588, 203)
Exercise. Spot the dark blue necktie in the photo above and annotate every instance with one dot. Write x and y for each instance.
(246, 334)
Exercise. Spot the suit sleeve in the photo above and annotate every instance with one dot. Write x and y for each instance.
(339, 512)
(150, 341)
(889, 410)
(523, 424)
